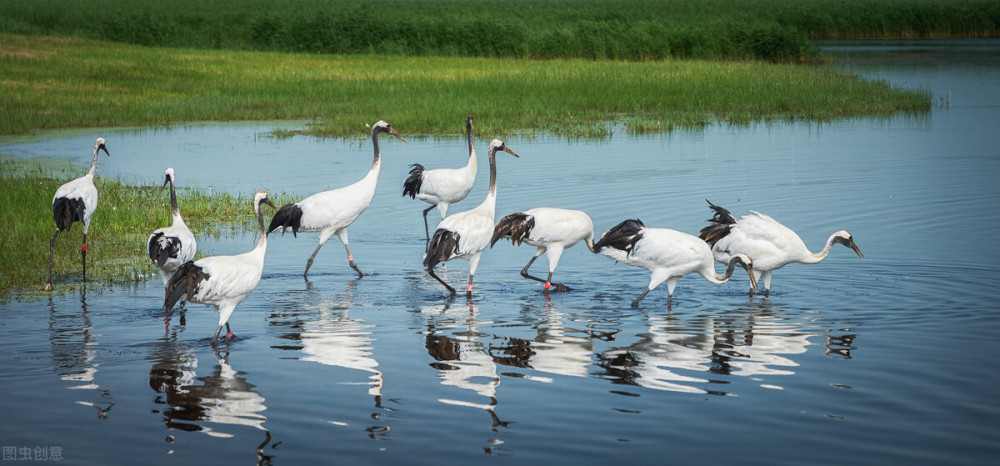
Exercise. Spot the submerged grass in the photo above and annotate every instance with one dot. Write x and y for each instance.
(51, 83)
(127, 214)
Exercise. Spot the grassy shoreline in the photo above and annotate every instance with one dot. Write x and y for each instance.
(116, 252)
(55, 83)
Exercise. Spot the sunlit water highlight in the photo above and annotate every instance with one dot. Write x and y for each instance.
(881, 360)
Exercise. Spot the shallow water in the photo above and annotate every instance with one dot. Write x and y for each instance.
(881, 360)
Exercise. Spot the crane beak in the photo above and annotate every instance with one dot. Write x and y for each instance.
(105, 149)
(854, 246)
(166, 181)
(507, 150)
(753, 279)
(393, 132)
(268, 202)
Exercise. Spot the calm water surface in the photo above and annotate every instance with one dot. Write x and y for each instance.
(885, 360)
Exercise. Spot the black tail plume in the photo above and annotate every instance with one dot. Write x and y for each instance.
(413, 182)
(288, 216)
(183, 284)
(623, 236)
(443, 246)
(162, 248)
(720, 224)
(65, 211)
(516, 226)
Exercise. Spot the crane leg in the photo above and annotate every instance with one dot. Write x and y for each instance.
(309, 262)
(549, 286)
(427, 228)
(643, 295)
(52, 246)
(451, 291)
(468, 290)
(83, 253)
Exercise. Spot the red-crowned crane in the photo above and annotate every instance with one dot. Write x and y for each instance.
(549, 229)
(331, 212)
(443, 186)
(667, 254)
(771, 244)
(466, 234)
(75, 201)
(221, 281)
(169, 247)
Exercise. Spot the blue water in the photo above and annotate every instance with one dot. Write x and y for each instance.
(885, 360)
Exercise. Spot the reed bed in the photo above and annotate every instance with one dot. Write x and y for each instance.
(592, 29)
(127, 214)
(52, 83)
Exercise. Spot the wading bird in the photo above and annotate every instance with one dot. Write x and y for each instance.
(466, 234)
(220, 281)
(667, 254)
(169, 247)
(75, 201)
(771, 244)
(443, 186)
(549, 229)
(331, 212)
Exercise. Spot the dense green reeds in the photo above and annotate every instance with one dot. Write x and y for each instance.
(72, 83)
(125, 217)
(593, 29)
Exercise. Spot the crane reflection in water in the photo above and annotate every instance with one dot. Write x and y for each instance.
(216, 404)
(74, 341)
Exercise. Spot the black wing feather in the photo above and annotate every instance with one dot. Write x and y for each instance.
(413, 182)
(183, 284)
(516, 226)
(443, 246)
(719, 226)
(162, 248)
(288, 216)
(623, 236)
(65, 211)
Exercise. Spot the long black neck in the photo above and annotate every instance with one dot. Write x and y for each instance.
(493, 171)
(173, 199)
(468, 133)
(378, 152)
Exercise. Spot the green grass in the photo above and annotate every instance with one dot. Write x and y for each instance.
(53, 83)
(126, 216)
(592, 29)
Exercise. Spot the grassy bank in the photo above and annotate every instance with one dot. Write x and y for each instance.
(51, 83)
(592, 29)
(125, 218)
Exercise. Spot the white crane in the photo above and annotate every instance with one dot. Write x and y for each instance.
(667, 254)
(771, 244)
(443, 186)
(221, 281)
(169, 247)
(549, 229)
(331, 212)
(466, 234)
(75, 201)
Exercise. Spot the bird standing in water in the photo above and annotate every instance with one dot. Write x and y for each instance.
(466, 234)
(771, 244)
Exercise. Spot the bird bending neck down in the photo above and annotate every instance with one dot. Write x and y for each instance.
(771, 244)
(667, 254)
